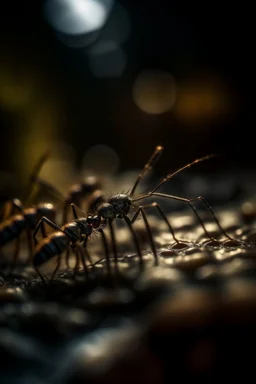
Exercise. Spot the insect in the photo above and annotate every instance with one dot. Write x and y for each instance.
(63, 238)
(120, 205)
(88, 190)
(16, 219)
(15, 205)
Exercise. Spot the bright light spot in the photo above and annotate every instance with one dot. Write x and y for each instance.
(201, 100)
(75, 17)
(107, 60)
(154, 91)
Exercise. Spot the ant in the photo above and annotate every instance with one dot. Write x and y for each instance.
(119, 206)
(88, 190)
(63, 238)
(70, 234)
(14, 224)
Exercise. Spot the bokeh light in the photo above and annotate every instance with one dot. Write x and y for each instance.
(16, 92)
(154, 91)
(201, 100)
(101, 160)
(118, 27)
(77, 18)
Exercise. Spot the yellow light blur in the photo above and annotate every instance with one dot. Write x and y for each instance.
(154, 91)
(201, 100)
(15, 93)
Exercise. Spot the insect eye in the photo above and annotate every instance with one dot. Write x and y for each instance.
(90, 220)
(96, 222)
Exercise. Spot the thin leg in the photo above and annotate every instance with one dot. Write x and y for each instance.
(34, 175)
(86, 251)
(214, 216)
(75, 249)
(135, 239)
(67, 258)
(56, 268)
(75, 208)
(40, 275)
(43, 230)
(142, 211)
(83, 252)
(105, 245)
(40, 226)
(159, 209)
(10, 207)
(30, 240)
(48, 186)
(113, 239)
(183, 200)
(58, 260)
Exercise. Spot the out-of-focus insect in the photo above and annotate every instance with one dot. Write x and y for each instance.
(88, 191)
(120, 205)
(17, 219)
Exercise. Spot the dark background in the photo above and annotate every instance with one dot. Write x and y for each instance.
(48, 92)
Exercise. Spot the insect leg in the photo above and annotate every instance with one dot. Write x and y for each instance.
(151, 240)
(162, 214)
(83, 252)
(67, 258)
(113, 239)
(105, 245)
(135, 239)
(86, 251)
(10, 208)
(207, 205)
(75, 209)
(183, 200)
(40, 226)
(56, 268)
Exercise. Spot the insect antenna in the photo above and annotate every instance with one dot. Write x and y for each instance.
(171, 175)
(34, 175)
(35, 179)
(148, 166)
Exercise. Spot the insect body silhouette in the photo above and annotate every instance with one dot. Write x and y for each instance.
(119, 206)
(89, 190)
(16, 219)
(63, 238)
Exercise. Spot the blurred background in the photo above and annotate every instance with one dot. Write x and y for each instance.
(96, 78)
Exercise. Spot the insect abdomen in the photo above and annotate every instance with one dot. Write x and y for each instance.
(49, 247)
(11, 229)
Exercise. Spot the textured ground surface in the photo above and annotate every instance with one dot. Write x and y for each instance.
(191, 316)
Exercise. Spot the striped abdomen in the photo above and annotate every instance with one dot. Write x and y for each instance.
(11, 229)
(50, 246)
